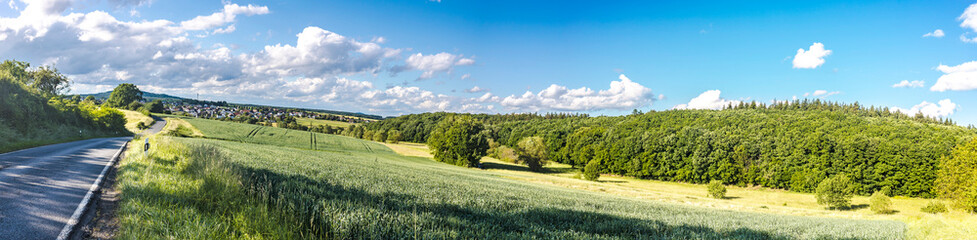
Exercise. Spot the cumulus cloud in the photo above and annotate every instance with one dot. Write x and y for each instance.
(956, 78)
(707, 100)
(621, 95)
(812, 58)
(476, 89)
(317, 52)
(969, 20)
(431, 65)
(909, 84)
(942, 108)
(822, 93)
(225, 16)
(937, 34)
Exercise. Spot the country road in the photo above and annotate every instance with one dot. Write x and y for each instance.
(41, 187)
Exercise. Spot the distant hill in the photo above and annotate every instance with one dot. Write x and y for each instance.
(165, 97)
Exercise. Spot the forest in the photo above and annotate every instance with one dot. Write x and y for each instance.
(791, 145)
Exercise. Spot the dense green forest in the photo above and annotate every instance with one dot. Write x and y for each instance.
(33, 113)
(788, 145)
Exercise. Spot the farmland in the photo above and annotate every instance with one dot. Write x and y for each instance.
(277, 190)
(320, 122)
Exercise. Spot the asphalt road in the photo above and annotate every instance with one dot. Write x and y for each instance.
(41, 187)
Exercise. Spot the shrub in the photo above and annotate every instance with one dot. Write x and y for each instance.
(141, 125)
(835, 192)
(880, 203)
(591, 171)
(934, 207)
(135, 106)
(458, 140)
(717, 189)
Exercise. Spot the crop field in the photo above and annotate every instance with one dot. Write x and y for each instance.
(320, 122)
(270, 191)
(250, 133)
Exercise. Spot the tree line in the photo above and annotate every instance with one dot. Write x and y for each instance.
(792, 145)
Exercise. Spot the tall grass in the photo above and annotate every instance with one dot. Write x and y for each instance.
(202, 188)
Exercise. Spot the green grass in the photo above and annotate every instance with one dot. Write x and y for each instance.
(205, 188)
(250, 133)
(320, 122)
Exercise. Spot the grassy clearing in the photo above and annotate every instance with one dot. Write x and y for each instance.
(320, 122)
(203, 188)
(133, 119)
(184, 128)
(953, 225)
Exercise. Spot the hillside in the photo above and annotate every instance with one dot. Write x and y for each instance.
(261, 187)
(787, 146)
(29, 118)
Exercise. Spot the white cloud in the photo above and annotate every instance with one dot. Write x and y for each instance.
(317, 52)
(909, 84)
(823, 93)
(937, 34)
(969, 17)
(957, 78)
(621, 95)
(227, 15)
(707, 100)
(476, 89)
(942, 108)
(812, 58)
(431, 65)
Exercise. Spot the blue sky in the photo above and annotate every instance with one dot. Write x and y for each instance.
(397, 57)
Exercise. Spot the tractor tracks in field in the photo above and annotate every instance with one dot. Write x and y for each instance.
(252, 133)
(312, 141)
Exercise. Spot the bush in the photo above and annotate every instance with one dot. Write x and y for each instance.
(880, 203)
(934, 207)
(141, 125)
(134, 106)
(458, 140)
(717, 189)
(591, 171)
(835, 192)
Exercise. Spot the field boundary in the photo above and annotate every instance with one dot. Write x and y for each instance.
(72, 224)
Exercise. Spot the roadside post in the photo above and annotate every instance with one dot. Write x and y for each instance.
(145, 149)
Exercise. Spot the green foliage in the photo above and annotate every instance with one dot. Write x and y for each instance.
(380, 136)
(717, 189)
(156, 106)
(29, 117)
(135, 106)
(124, 95)
(835, 192)
(458, 140)
(592, 170)
(793, 145)
(532, 152)
(45, 81)
(141, 125)
(934, 207)
(880, 203)
(393, 136)
(956, 177)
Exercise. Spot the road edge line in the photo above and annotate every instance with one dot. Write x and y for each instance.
(73, 221)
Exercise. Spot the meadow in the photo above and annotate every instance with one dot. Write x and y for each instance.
(256, 186)
(133, 118)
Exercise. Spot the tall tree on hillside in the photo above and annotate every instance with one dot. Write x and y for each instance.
(955, 179)
(458, 140)
(123, 95)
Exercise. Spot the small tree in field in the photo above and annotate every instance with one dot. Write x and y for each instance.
(717, 189)
(458, 140)
(880, 203)
(835, 192)
(532, 152)
(591, 171)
